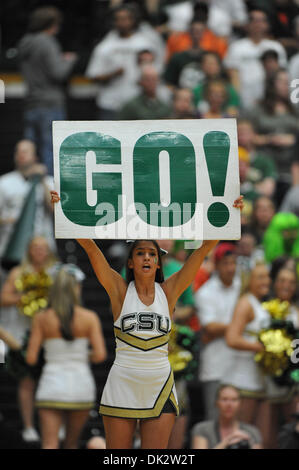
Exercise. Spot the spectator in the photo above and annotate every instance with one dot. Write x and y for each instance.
(212, 69)
(248, 254)
(282, 262)
(146, 105)
(216, 101)
(23, 293)
(270, 62)
(182, 107)
(243, 58)
(262, 173)
(45, 70)
(66, 387)
(113, 63)
(214, 317)
(183, 68)
(198, 37)
(276, 126)
(248, 319)
(14, 188)
(262, 214)
(282, 237)
(227, 432)
(147, 57)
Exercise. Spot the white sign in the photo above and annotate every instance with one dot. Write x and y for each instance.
(147, 179)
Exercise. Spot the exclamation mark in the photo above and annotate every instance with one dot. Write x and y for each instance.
(216, 146)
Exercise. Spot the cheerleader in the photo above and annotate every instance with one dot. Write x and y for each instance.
(242, 334)
(140, 385)
(17, 310)
(66, 390)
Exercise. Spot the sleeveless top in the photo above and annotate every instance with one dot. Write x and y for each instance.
(260, 321)
(244, 372)
(142, 332)
(59, 350)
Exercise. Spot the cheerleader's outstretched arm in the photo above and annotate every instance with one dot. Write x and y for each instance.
(111, 280)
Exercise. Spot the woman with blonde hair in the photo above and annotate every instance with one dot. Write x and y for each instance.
(23, 293)
(242, 335)
(66, 390)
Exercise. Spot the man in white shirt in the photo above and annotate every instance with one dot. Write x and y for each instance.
(243, 58)
(113, 63)
(215, 302)
(15, 186)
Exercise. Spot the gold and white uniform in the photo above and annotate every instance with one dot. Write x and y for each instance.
(141, 379)
(66, 382)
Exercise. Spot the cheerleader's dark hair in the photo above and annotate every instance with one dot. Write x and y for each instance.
(159, 273)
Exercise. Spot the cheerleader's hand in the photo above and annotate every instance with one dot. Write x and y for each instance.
(259, 347)
(239, 203)
(54, 196)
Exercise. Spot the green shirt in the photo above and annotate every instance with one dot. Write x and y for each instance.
(184, 69)
(143, 107)
(233, 98)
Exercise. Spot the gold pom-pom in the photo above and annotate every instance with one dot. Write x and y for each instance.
(35, 290)
(274, 360)
(278, 309)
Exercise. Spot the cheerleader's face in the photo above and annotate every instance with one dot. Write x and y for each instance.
(39, 251)
(259, 284)
(145, 259)
(285, 284)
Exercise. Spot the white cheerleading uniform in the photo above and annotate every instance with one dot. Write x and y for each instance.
(244, 372)
(140, 381)
(66, 382)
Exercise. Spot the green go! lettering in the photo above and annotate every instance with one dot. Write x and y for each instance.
(147, 178)
(73, 176)
(216, 146)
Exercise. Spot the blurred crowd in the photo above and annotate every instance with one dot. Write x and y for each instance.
(173, 59)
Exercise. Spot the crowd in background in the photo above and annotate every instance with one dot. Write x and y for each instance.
(184, 60)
